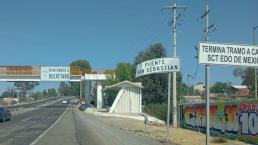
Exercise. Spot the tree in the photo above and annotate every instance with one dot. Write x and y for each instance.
(155, 85)
(181, 87)
(83, 64)
(64, 89)
(44, 94)
(124, 71)
(52, 92)
(9, 93)
(247, 76)
(110, 94)
(219, 87)
(84, 67)
(36, 95)
(25, 87)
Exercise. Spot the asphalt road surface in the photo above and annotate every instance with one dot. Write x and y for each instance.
(26, 127)
(79, 128)
(74, 128)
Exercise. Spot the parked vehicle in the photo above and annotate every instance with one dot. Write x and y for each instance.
(5, 114)
(83, 107)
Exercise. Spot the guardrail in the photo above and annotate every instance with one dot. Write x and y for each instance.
(19, 107)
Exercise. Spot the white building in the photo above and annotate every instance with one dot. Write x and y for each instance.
(199, 87)
(128, 99)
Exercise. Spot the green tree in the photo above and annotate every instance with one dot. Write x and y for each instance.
(64, 89)
(52, 92)
(9, 93)
(44, 94)
(24, 87)
(84, 67)
(36, 95)
(155, 85)
(219, 87)
(246, 75)
(110, 94)
(124, 71)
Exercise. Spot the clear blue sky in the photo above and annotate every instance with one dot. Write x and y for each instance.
(105, 32)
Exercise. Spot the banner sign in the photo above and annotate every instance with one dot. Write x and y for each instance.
(160, 65)
(228, 54)
(55, 73)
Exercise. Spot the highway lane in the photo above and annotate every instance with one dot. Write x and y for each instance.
(79, 128)
(26, 127)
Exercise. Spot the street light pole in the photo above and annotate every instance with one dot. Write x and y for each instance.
(255, 71)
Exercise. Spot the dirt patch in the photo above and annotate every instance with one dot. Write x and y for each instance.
(178, 136)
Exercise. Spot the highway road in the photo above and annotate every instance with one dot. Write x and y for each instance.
(73, 128)
(79, 128)
(24, 128)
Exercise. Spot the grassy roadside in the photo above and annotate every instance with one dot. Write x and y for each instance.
(177, 135)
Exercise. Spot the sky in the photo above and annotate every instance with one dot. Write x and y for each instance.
(56, 32)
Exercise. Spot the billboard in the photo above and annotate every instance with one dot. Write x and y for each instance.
(159, 65)
(228, 54)
(55, 73)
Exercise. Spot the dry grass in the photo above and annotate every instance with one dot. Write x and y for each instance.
(177, 135)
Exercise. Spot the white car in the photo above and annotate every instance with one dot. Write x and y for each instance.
(64, 102)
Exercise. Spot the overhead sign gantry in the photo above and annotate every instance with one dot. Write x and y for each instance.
(40, 73)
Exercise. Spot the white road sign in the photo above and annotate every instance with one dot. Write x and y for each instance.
(228, 54)
(95, 77)
(55, 73)
(160, 65)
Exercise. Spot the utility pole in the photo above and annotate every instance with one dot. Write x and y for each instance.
(255, 71)
(207, 86)
(174, 8)
(188, 88)
(207, 76)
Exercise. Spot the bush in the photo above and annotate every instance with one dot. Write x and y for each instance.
(219, 140)
(158, 110)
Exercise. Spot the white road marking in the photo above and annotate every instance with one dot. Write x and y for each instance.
(26, 119)
(45, 132)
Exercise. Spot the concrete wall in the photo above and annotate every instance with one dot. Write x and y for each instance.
(236, 120)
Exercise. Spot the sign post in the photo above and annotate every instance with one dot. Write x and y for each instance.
(160, 65)
(224, 54)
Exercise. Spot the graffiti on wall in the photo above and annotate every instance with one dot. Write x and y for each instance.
(237, 120)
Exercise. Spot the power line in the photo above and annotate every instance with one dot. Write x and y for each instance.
(195, 73)
(133, 45)
(151, 37)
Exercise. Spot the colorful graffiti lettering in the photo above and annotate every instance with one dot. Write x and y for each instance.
(233, 119)
(248, 119)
